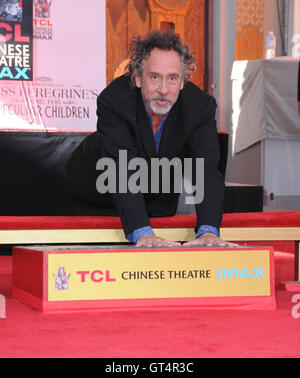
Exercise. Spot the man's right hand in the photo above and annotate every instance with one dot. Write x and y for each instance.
(155, 241)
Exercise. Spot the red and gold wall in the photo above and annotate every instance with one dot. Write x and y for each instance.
(128, 18)
(249, 29)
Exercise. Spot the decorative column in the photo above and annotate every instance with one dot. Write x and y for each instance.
(249, 29)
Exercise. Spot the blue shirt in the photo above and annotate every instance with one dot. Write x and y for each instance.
(136, 234)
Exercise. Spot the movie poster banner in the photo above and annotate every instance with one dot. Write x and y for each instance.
(16, 40)
(69, 58)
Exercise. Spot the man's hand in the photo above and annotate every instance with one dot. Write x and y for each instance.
(155, 241)
(209, 240)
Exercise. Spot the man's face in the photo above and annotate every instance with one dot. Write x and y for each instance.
(161, 80)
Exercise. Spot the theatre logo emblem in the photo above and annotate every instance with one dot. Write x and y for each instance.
(42, 8)
(61, 279)
(42, 25)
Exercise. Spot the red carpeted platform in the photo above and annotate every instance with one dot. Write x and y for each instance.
(280, 230)
(286, 220)
(257, 219)
(152, 334)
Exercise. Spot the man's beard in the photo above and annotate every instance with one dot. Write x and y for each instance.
(160, 109)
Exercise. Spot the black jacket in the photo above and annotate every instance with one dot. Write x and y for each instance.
(189, 131)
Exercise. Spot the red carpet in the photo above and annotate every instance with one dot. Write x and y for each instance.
(289, 218)
(151, 334)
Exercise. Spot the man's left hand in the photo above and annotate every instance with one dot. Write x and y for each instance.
(209, 240)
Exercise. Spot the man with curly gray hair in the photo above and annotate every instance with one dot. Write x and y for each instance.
(140, 49)
(151, 112)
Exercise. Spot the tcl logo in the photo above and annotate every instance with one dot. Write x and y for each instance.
(8, 34)
(95, 276)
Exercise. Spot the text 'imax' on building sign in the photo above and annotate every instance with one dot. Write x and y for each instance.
(16, 35)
